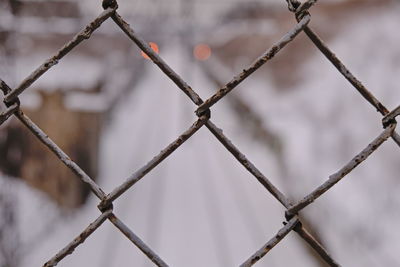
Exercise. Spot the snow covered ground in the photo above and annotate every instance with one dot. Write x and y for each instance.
(201, 208)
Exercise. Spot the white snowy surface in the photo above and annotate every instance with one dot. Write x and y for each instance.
(201, 208)
(64, 74)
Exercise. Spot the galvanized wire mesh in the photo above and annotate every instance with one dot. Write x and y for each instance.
(293, 222)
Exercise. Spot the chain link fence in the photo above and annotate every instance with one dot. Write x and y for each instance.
(293, 220)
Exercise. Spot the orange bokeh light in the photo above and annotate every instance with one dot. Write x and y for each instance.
(153, 46)
(202, 52)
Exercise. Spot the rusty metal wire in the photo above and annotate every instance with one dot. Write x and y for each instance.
(271, 243)
(293, 222)
(256, 65)
(78, 240)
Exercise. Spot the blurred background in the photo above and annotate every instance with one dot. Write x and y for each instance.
(112, 110)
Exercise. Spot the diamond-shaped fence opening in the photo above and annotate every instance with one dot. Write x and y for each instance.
(293, 221)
